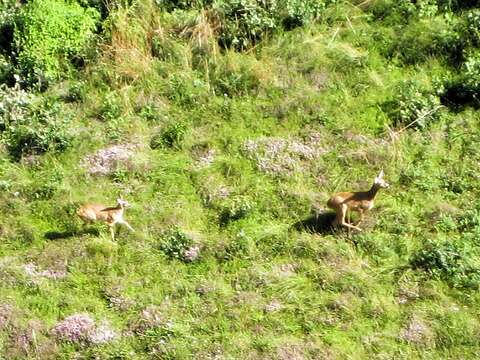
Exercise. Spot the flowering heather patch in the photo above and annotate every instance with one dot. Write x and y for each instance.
(286, 270)
(55, 274)
(206, 159)
(81, 328)
(416, 332)
(212, 195)
(102, 334)
(105, 161)
(5, 314)
(280, 155)
(192, 253)
(273, 306)
(74, 328)
(121, 303)
(149, 318)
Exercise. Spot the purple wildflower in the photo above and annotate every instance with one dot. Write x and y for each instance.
(416, 332)
(55, 274)
(282, 156)
(5, 315)
(74, 328)
(273, 306)
(149, 318)
(206, 159)
(102, 334)
(105, 161)
(192, 253)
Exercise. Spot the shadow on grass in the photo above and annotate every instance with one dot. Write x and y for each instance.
(58, 235)
(320, 223)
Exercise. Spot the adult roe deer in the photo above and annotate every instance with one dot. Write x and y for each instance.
(109, 215)
(360, 201)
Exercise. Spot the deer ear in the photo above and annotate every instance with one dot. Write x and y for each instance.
(380, 175)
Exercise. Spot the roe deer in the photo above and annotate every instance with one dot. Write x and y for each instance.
(360, 202)
(108, 215)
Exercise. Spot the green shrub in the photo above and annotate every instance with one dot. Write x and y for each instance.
(31, 126)
(422, 40)
(48, 35)
(235, 208)
(232, 80)
(169, 137)
(412, 105)
(77, 92)
(402, 11)
(186, 91)
(449, 261)
(471, 28)
(245, 22)
(150, 112)
(241, 246)
(111, 107)
(174, 243)
(171, 5)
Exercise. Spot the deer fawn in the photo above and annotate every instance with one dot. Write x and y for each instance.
(360, 202)
(109, 215)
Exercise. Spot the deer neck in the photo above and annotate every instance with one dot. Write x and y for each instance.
(373, 192)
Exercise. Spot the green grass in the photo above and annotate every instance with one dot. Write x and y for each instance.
(262, 287)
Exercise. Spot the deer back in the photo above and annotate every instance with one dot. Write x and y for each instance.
(95, 212)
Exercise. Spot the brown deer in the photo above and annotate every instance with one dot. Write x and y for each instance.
(360, 202)
(109, 215)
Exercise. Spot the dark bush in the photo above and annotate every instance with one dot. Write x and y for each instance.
(31, 126)
(450, 262)
(169, 137)
(8, 13)
(402, 11)
(171, 5)
(463, 89)
(413, 105)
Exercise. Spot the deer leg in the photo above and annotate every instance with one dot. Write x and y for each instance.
(112, 231)
(362, 213)
(127, 225)
(343, 210)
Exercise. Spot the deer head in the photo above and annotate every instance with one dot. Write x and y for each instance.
(380, 182)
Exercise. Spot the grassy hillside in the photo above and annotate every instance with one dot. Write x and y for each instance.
(227, 125)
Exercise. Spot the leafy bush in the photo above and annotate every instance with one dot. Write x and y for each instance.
(175, 244)
(450, 262)
(170, 137)
(471, 28)
(412, 105)
(171, 5)
(235, 79)
(111, 107)
(77, 92)
(235, 208)
(245, 22)
(48, 35)
(402, 11)
(8, 12)
(28, 125)
(422, 40)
